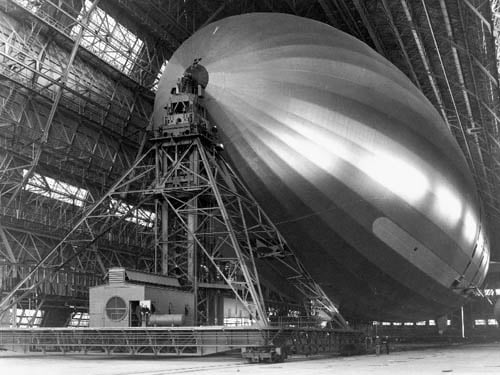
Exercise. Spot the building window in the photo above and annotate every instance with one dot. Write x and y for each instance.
(139, 216)
(116, 308)
(28, 318)
(108, 39)
(55, 189)
(79, 319)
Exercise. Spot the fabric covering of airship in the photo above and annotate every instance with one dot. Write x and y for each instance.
(349, 159)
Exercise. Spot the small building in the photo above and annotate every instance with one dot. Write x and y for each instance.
(117, 304)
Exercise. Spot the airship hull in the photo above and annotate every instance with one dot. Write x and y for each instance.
(348, 158)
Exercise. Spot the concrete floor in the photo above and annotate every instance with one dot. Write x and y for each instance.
(460, 359)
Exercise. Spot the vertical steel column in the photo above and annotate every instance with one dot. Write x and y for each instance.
(163, 238)
(246, 261)
(191, 182)
(192, 222)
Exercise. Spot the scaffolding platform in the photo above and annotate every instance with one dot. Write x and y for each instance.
(273, 343)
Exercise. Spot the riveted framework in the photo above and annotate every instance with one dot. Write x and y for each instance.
(76, 96)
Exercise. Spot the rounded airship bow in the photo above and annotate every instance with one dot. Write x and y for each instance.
(349, 159)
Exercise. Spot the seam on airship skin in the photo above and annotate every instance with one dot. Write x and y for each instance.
(383, 61)
(318, 29)
(333, 79)
(331, 45)
(412, 155)
(464, 255)
(269, 61)
(444, 291)
(444, 134)
(331, 53)
(420, 289)
(277, 121)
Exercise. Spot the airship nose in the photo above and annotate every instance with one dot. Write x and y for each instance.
(198, 73)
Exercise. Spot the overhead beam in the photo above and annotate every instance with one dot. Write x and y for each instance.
(478, 14)
(330, 15)
(397, 35)
(425, 60)
(371, 30)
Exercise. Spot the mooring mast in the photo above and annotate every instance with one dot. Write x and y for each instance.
(208, 228)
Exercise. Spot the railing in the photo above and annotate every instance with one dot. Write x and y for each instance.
(294, 322)
(179, 341)
(161, 341)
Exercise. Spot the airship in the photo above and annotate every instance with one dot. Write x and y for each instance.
(352, 163)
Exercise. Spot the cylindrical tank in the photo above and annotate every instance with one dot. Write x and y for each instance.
(349, 159)
(166, 320)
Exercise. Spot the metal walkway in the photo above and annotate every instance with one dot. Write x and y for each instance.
(180, 341)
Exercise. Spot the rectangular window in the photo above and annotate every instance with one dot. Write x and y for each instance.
(108, 39)
(55, 189)
(135, 215)
(238, 322)
(79, 319)
(480, 322)
(26, 318)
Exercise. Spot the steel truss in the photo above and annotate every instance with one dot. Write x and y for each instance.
(177, 341)
(65, 115)
(206, 237)
(446, 47)
(208, 229)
